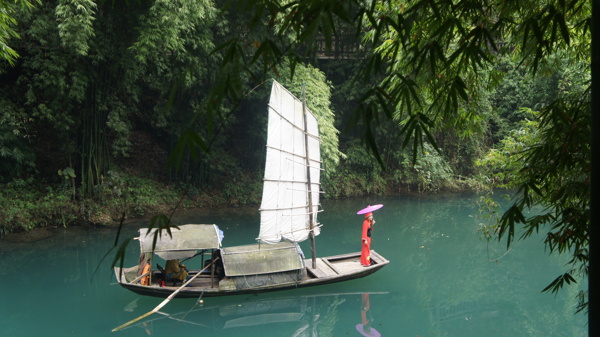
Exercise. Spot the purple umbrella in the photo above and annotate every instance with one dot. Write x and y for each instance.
(369, 209)
(367, 331)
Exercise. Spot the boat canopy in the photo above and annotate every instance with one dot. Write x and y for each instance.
(258, 259)
(183, 243)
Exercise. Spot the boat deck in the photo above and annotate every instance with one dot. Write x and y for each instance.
(339, 265)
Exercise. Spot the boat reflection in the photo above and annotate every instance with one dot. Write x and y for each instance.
(298, 316)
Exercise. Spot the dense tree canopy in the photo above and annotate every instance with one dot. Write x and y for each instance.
(445, 80)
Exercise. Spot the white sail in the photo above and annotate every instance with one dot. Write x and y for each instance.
(285, 210)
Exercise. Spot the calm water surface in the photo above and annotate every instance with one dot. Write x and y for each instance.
(442, 281)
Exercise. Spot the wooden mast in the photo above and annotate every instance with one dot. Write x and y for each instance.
(311, 215)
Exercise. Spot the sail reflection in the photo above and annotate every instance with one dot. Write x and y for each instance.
(298, 316)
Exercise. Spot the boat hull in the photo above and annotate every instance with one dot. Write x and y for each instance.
(327, 270)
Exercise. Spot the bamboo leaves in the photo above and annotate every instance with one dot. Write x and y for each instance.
(189, 142)
(558, 283)
(76, 18)
(551, 28)
(8, 10)
(549, 165)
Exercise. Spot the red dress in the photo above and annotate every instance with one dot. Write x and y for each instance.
(365, 255)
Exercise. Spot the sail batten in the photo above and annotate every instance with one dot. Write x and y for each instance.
(290, 181)
(293, 154)
(277, 209)
(297, 127)
(285, 209)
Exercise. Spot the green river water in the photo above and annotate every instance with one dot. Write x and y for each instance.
(442, 280)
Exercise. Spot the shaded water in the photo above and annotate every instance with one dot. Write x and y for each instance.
(441, 281)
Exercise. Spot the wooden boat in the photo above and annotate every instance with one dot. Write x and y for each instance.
(289, 209)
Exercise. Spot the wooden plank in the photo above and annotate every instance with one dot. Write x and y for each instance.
(316, 272)
(323, 269)
(330, 266)
(348, 266)
(343, 256)
(378, 258)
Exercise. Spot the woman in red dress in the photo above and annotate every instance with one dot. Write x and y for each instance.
(365, 255)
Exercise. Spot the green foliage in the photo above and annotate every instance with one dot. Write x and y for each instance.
(502, 172)
(118, 121)
(25, 206)
(15, 209)
(347, 183)
(430, 173)
(318, 101)
(18, 158)
(438, 56)
(489, 214)
(67, 173)
(75, 26)
(357, 175)
(517, 89)
(132, 196)
(360, 174)
(90, 72)
(435, 56)
(8, 11)
(548, 162)
(175, 31)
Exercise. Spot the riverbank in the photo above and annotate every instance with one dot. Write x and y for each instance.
(26, 206)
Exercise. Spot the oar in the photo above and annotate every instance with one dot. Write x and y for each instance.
(163, 303)
(195, 304)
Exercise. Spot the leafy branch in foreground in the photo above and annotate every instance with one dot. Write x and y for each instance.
(8, 10)
(548, 162)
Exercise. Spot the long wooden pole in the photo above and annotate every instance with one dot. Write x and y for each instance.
(311, 215)
(140, 277)
(163, 303)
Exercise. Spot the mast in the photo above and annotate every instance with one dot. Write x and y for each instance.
(311, 216)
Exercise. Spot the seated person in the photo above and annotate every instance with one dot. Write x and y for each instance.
(145, 270)
(176, 271)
